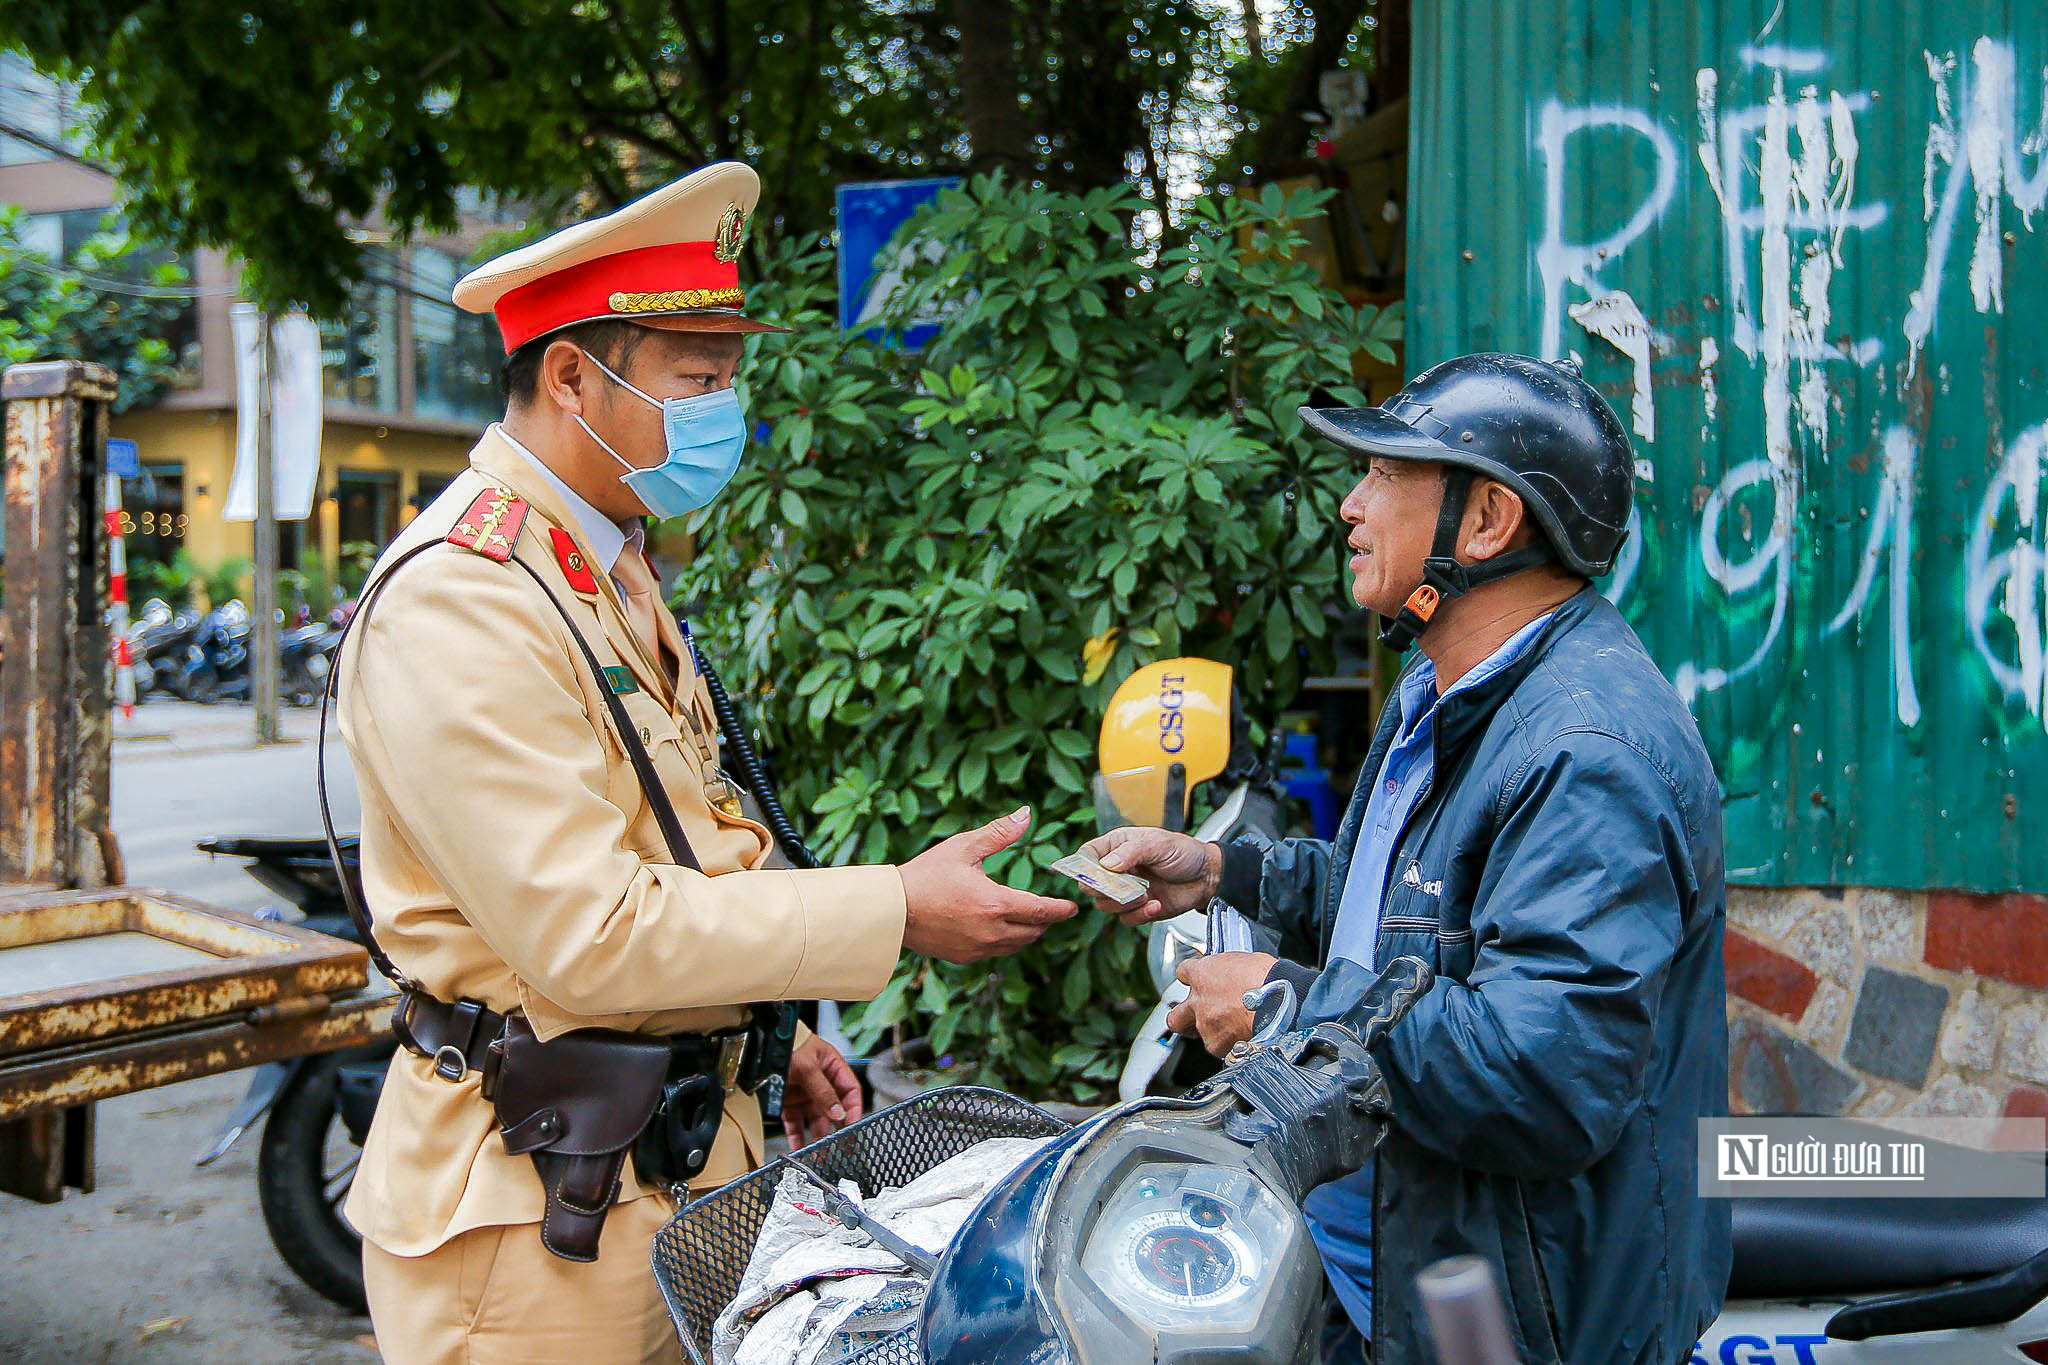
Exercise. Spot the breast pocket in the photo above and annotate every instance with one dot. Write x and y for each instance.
(652, 724)
(675, 769)
(1419, 921)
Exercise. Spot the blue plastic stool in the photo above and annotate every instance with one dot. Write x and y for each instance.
(1303, 776)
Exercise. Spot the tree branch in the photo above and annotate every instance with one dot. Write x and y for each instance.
(800, 107)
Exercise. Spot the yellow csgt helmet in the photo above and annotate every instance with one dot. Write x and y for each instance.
(1167, 729)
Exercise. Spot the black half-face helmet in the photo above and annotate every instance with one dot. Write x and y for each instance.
(1536, 426)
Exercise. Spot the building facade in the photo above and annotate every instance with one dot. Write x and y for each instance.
(410, 380)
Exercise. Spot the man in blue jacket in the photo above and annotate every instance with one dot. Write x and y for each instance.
(1538, 820)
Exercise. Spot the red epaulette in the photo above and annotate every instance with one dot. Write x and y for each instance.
(491, 524)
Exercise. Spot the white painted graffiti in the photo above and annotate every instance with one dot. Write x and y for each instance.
(2011, 580)
(1561, 261)
(1890, 548)
(1784, 173)
(1987, 150)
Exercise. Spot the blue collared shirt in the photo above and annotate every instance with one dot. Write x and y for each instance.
(1340, 1213)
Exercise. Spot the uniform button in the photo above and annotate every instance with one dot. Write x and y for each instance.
(646, 735)
(1392, 786)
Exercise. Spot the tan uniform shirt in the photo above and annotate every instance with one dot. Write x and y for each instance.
(510, 856)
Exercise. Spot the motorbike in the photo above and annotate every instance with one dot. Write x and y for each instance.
(315, 1111)
(1169, 728)
(305, 654)
(1845, 1281)
(157, 642)
(215, 666)
(1168, 1229)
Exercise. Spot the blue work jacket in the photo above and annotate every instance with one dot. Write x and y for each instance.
(1563, 874)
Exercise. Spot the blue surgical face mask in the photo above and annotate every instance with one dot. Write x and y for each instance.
(705, 437)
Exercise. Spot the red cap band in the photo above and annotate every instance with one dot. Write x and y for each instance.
(650, 280)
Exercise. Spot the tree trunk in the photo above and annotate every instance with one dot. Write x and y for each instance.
(990, 94)
(1286, 135)
(1393, 51)
(1094, 118)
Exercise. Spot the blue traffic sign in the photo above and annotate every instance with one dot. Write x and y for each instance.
(869, 215)
(124, 461)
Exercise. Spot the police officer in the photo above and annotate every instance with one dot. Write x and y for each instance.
(511, 665)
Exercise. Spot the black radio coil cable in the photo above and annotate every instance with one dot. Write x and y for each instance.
(752, 771)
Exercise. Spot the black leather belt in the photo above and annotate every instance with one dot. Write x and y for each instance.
(457, 1039)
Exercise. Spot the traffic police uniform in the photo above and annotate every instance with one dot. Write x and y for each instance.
(510, 855)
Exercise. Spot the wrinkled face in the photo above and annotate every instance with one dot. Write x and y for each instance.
(1392, 514)
(662, 365)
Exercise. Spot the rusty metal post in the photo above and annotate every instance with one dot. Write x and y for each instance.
(56, 688)
(56, 676)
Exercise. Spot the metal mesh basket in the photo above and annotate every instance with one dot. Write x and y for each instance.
(700, 1255)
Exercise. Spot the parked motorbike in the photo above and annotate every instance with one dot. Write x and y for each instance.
(1169, 728)
(305, 654)
(157, 642)
(216, 663)
(315, 1111)
(1845, 1281)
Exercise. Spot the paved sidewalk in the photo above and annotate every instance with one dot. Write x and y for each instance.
(188, 727)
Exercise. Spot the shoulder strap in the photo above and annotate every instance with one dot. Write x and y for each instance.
(636, 752)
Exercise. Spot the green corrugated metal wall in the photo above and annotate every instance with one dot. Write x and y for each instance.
(1819, 226)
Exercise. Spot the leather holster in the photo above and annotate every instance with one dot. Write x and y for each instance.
(574, 1104)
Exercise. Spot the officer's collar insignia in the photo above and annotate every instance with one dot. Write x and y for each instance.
(575, 565)
(621, 680)
(725, 243)
(491, 524)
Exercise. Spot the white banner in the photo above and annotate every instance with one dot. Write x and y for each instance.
(295, 414)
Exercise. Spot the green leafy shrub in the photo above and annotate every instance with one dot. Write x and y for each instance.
(1098, 456)
(172, 581)
(353, 564)
(223, 582)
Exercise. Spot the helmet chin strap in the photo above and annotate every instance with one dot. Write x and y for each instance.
(1443, 576)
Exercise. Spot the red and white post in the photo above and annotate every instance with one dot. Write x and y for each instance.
(117, 602)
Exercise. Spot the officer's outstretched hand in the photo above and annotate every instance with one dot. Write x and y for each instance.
(1181, 872)
(957, 913)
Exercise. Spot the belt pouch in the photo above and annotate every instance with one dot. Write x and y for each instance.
(575, 1104)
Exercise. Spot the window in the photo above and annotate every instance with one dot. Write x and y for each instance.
(359, 352)
(456, 355)
(431, 486)
(368, 506)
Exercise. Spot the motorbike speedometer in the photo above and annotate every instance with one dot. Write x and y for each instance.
(1190, 1265)
(1179, 1239)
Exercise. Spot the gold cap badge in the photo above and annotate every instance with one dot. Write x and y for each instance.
(725, 243)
